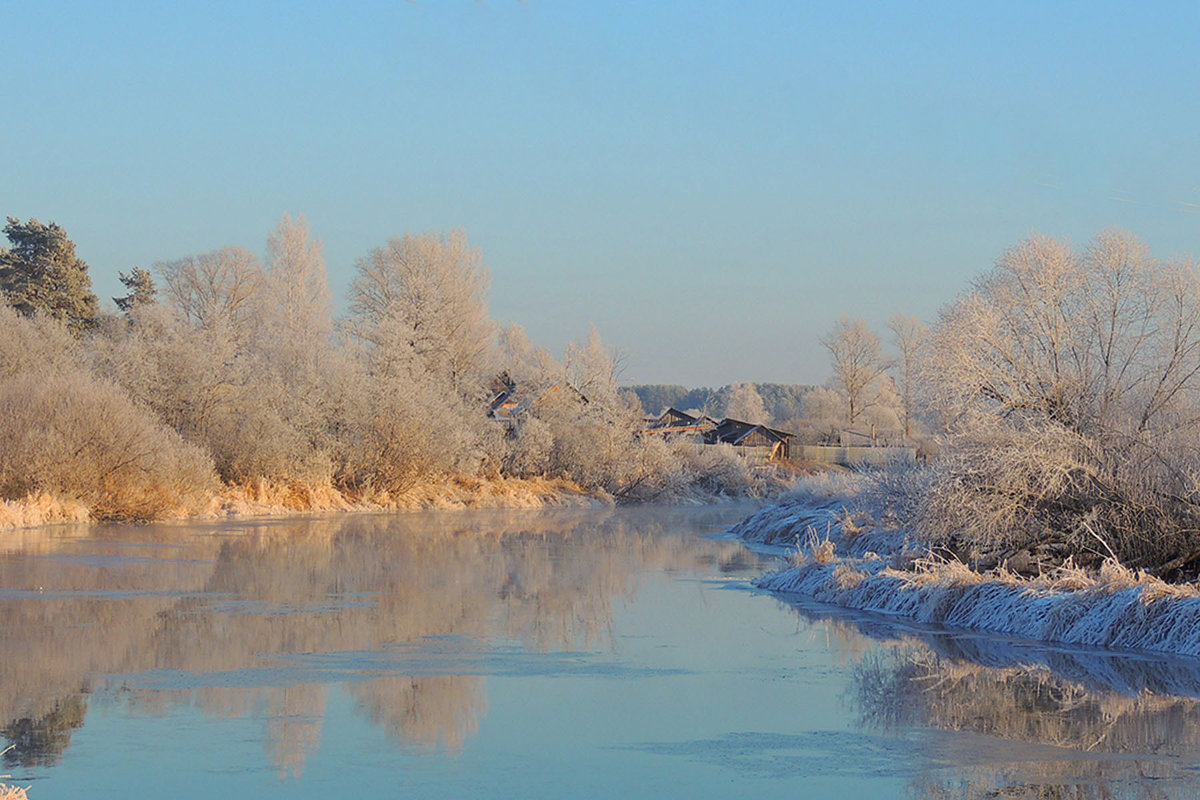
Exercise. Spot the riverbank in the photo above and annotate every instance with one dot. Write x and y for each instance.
(262, 498)
(282, 498)
(848, 548)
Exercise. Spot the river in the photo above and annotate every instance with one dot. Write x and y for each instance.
(533, 654)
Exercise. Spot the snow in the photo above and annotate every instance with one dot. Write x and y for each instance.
(1117, 609)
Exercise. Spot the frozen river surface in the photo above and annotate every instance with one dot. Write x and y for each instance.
(612, 653)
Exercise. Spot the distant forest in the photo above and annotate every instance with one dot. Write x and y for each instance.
(783, 402)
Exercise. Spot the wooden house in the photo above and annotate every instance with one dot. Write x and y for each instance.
(756, 442)
(512, 400)
(675, 423)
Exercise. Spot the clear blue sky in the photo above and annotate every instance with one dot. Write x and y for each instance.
(711, 183)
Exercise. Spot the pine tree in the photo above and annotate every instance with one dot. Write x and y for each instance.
(141, 288)
(42, 274)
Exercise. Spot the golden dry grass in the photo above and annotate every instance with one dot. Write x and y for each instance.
(261, 497)
(41, 509)
(280, 498)
(816, 548)
(935, 570)
(824, 551)
(13, 792)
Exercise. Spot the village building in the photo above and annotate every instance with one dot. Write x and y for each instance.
(675, 423)
(755, 442)
(510, 400)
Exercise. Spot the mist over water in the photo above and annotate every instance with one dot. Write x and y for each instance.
(531, 654)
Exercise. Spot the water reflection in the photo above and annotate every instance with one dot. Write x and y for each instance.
(1028, 721)
(258, 619)
(279, 623)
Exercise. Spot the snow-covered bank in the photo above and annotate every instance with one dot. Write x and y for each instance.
(843, 556)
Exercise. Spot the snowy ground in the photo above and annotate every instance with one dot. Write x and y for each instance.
(843, 555)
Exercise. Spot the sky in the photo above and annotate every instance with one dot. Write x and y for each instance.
(712, 184)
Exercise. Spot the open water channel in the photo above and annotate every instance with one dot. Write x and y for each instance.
(600, 653)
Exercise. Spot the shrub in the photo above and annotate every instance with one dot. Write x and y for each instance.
(1070, 384)
(35, 343)
(74, 435)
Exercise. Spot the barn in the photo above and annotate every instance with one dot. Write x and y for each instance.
(755, 442)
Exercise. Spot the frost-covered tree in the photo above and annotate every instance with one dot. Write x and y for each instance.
(908, 337)
(1101, 341)
(40, 273)
(823, 416)
(420, 301)
(593, 426)
(856, 356)
(296, 284)
(426, 346)
(218, 363)
(746, 404)
(301, 374)
(215, 290)
(527, 363)
(593, 369)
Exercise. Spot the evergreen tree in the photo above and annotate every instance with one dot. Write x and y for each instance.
(41, 273)
(142, 291)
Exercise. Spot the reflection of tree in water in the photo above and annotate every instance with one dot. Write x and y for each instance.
(428, 711)
(339, 585)
(39, 742)
(294, 718)
(1058, 724)
(914, 687)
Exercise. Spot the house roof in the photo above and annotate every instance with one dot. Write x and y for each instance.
(735, 431)
(673, 420)
(516, 399)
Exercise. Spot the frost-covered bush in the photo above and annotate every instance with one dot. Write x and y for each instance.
(527, 448)
(73, 435)
(1069, 384)
(35, 343)
(719, 470)
(1060, 493)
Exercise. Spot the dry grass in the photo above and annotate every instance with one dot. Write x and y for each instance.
(934, 570)
(13, 792)
(41, 509)
(823, 551)
(848, 577)
(1111, 577)
(815, 547)
(853, 524)
(262, 497)
(283, 495)
(493, 492)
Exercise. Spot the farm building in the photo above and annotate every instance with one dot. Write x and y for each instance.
(510, 400)
(675, 422)
(756, 442)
